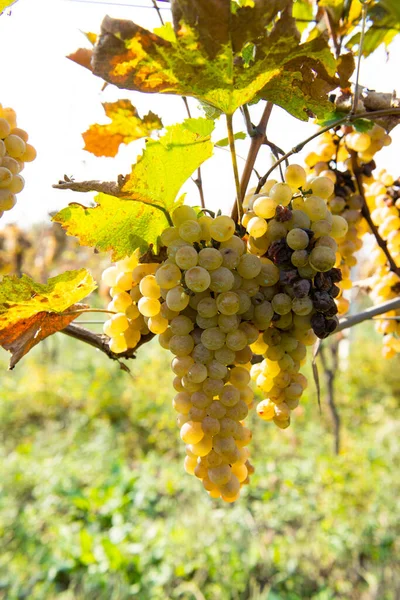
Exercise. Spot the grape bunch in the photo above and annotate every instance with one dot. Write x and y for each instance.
(332, 158)
(14, 152)
(290, 225)
(383, 197)
(204, 303)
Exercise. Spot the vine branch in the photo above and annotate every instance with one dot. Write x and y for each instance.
(258, 138)
(347, 119)
(367, 215)
(100, 342)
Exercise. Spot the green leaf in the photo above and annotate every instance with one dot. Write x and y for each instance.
(149, 193)
(125, 127)
(238, 136)
(362, 125)
(114, 224)
(206, 58)
(30, 312)
(331, 118)
(169, 161)
(302, 12)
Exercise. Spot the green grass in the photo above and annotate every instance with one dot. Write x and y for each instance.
(95, 504)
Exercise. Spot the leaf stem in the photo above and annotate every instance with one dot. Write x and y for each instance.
(89, 310)
(199, 180)
(348, 118)
(360, 51)
(237, 210)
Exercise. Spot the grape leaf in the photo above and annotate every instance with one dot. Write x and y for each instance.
(114, 224)
(30, 312)
(125, 127)
(204, 58)
(240, 135)
(135, 220)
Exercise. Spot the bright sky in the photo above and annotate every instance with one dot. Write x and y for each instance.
(56, 100)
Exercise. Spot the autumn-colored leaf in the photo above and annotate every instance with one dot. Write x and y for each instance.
(125, 127)
(30, 312)
(137, 220)
(208, 57)
(83, 57)
(4, 4)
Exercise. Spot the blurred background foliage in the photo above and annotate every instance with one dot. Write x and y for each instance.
(95, 504)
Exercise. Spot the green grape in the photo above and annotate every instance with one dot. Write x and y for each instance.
(222, 228)
(228, 323)
(265, 207)
(222, 280)
(339, 227)
(109, 276)
(321, 228)
(157, 324)
(322, 187)
(295, 176)
(207, 307)
(234, 243)
(282, 304)
(210, 259)
(190, 231)
(213, 338)
(230, 258)
(322, 258)
(197, 279)
(181, 345)
(257, 227)
(117, 344)
(181, 325)
(176, 298)
(183, 213)
(15, 146)
(236, 340)
(168, 276)
(5, 177)
(197, 373)
(282, 193)
(216, 370)
(5, 128)
(181, 364)
(17, 184)
(182, 403)
(299, 258)
(7, 200)
(119, 323)
(302, 306)
(299, 219)
(149, 307)
(315, 208)
(249, 266)
(121, 302)
(228, 303)
(297, 239)
(191, 432)
(186, 257)
(149, 287)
